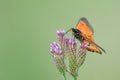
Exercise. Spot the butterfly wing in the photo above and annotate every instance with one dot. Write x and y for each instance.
(87, 31)
(85, 27)
(93, 47)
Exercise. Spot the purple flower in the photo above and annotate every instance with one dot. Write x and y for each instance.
(83, 45)
(69, 44)
(58, 57)
(72, 44)
(67, 47)
(60, 34)
(55, 49)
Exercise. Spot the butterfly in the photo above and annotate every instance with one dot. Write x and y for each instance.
(83, 32)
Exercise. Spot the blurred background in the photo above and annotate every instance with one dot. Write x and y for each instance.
(27, 27)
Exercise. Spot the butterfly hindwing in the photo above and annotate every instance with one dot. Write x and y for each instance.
(93, 47)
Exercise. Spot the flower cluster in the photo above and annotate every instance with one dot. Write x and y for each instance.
(67, 56)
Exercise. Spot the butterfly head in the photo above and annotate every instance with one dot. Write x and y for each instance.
(77, 33)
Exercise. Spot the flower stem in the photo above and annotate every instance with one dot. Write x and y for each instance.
(75, 78)
(64, 77)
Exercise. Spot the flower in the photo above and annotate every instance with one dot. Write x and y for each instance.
(57, 54)
(60, 34)
(65, 50)
(81, 54)
(55, 49)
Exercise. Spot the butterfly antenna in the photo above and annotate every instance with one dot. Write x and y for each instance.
(68, 31)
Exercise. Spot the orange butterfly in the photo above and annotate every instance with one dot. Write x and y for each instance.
(83, 32)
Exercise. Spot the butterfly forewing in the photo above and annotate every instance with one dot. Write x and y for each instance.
(85, 27)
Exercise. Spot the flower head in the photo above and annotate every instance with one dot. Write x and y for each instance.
(83, 45)
(58, 56)
(60, 34)
(55, 49)
(68, 46)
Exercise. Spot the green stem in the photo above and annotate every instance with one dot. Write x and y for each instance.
(64, 77)
(75, 78)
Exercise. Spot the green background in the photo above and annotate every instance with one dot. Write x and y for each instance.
(27, 27)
